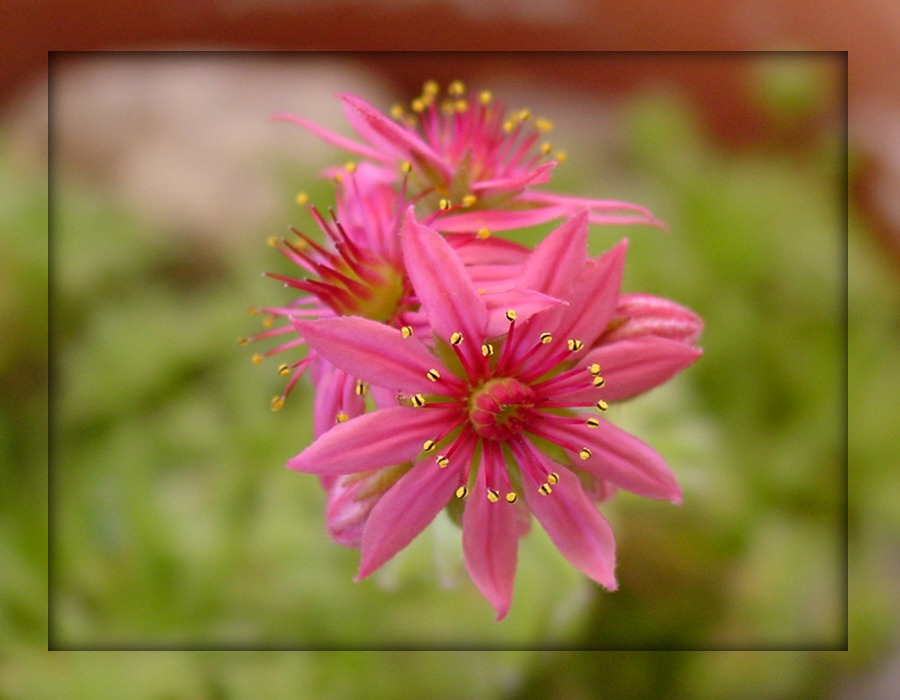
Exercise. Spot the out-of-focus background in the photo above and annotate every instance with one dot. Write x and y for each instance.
(173, 524)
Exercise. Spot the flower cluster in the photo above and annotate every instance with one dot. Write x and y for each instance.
(456, 369)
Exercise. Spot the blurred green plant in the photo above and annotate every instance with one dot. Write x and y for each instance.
(174, 526)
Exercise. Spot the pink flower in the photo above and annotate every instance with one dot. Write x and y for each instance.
(469, 156)
(491, 413)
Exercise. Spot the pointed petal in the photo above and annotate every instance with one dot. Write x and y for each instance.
(473, 250)
(498, 220)
(619, 457)
(557, 260)
(644, 314)
(575, 526)
(335, 394)
(442, 284)
(537, 176)
(333, 138)
(601, 210)
(594, 296)
(379, 130)
(633, 366)
(372, 351)
(382, 438)
(405, 510)
(490, 544)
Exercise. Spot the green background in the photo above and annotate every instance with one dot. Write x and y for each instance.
(173, 524)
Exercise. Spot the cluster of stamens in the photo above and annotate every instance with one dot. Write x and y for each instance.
(496, 400)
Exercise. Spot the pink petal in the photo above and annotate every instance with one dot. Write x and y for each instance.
(490, 544)
(619, 457)
(594, 296)
(575, 526)
(557, 260)
(378, 129)
(333, 138)
(335, 393)
(601, 210)
(473, 250)
(498, 220)
(372, 351)
(382, 438)
(525, 302)
(644, 314)
(443, 286)
(633, 366)
(537, 176)
(405, 510)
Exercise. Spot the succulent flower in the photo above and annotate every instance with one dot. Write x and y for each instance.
(501, 420)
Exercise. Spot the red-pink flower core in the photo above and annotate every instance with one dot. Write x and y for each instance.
(498, 408)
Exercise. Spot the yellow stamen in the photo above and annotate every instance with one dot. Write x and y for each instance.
(602, 405)
(593, 423)
(418, 105)
(574, 344)
(511, 315)
(406, 166)
(552, 478)
(301, 198)
(361, 388)
(284, 370)
(511, 497)
(397, 110)
(350, 166)
(256, 358)
(585, 453)
(429, 445)
(599, 381)
(417, 400)
(406, 331)
(469, 200)
(442, 461)
(546, 338)
(545, 490)
(594, 369)
(444, 204)
(462, 492)
(484, 233)
(543, 124)
(456, 338)
(433, 375)
(273, 241)
(277, 403)
(341, 417)
(493, 496)
(457, 88)
(485, 97)
(431, 88)
(487, 349)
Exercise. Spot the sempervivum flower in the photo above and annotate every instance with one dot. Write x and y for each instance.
(488, 417)
(470, 156)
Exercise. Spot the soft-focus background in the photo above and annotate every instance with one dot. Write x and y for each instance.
(174, 525)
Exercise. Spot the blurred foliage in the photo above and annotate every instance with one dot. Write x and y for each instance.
(174, 525)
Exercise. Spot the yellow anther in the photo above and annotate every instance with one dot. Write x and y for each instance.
(493, 495)
(593, 423)
(433, 375)
(256, 358)
(511, 497)
(406, 331)
(584, 453)
(508, 126)
(461, 105)
(457, 88)
(545, 490)
(301, 198)
(602, 405)
(361, 388)
(594, 369)
(524, 114)
(273, 241)
(243, 342)
(284, 370)
(252, 311)
(277, 403)
(511, 315)
(484, 233)
(442, 461)
(561, 156)
(350, 166)
(599, 381)
(444, 204)
(341, 417)
(574, 344)
(546, 338)
(429, 445)
(397, 110)
(456, 338)
(543, 124)
(418, 105)
(430, 88)
(338, 179)
(469, 200)
(268, 322)
(485, 97)
(417, 400)
(462, 492)
(552, 478)
(487, 349)
(546, 147)
(406, 166)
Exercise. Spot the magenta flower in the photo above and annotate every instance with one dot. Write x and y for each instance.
(489, 417)
(469, 156)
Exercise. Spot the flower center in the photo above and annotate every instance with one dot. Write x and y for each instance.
(498, 408)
